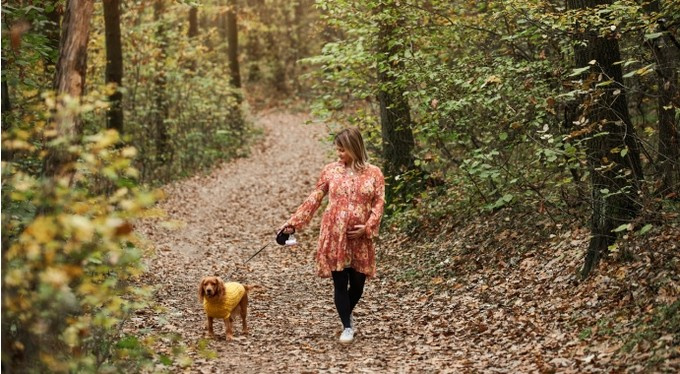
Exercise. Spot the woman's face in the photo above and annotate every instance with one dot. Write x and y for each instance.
(343, 155)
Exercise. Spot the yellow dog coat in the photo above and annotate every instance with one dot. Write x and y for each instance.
(222, 307)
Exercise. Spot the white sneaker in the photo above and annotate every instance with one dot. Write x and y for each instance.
(347, 336)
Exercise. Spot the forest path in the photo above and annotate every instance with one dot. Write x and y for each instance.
(226, 216)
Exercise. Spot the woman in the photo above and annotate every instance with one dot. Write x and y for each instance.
(356, 197)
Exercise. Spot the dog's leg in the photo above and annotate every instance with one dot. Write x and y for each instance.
(229, 328)
(244, 311)
(211, 333)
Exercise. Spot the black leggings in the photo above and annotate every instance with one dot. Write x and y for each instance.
(347, 298)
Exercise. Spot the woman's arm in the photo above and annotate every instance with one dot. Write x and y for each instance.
(377, 206)
(306, 211)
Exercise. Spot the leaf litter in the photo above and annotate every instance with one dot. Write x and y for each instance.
(490, 296)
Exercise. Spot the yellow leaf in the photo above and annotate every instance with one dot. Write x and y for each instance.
(80, 207)
(17, 144)
(16, 196)
(70, 336)
(30, 93)
(89, 158)
(22, 134)
(14, 277)
(621, 273)
(114, 304)
(55, 277)
(132, 172)
(129, 152)
(437, 280)
(113, 222)
(120, 192)
(493, 79)
(82, 227)
(32, 251)
(87, 288)
(53, 363)
(128, 205)
(43, 229)
(24, 183)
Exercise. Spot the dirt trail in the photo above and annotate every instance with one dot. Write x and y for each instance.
(227, 216)
(522, 319)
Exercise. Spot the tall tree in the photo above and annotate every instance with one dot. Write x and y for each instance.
(232, 39)
(193, 22)
(70, 79)
(192, 32)
(161, 110)
(395, 113)
(667, 54)
(114, 63)
(612, 149)
(6, 103)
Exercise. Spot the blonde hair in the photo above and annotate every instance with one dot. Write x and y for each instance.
(351, 141)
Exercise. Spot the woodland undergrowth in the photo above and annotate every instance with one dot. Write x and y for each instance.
(530, 264)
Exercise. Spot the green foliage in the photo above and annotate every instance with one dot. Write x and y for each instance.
(70, 259)
(491, 89)
(275, 35)
(27, 45)
(69, 255)
(474, 109)
(169, 81)
(174, 86)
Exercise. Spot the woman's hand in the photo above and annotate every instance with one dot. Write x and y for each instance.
(357, 232)
(287, 229)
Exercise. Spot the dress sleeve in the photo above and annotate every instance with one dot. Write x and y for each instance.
(377, 206)
(306, 211)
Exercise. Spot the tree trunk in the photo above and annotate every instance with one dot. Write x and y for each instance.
(221, 23)
(613, 155)
(193, 22)
(70, 80)
(252, 47)
(395, 114)
(667, 56)
(271, 47)
(114, 63)
(6, 103)
(232, 39)
(192, 33)
(163, 150)
(6, 154)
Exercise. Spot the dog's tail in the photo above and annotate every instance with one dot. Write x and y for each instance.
(250, 287)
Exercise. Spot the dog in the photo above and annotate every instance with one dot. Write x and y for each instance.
(223, 300)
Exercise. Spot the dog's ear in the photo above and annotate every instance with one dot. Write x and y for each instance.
(221, 289)
(201, 291)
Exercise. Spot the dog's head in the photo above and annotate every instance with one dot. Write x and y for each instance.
(211, 287)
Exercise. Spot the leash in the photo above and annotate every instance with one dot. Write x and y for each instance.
(251, 257)
(281, 239)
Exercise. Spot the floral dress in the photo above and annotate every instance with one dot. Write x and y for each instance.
(354, 198)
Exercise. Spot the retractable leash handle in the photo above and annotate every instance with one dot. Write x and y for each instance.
(281, 239)
(286, 239)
